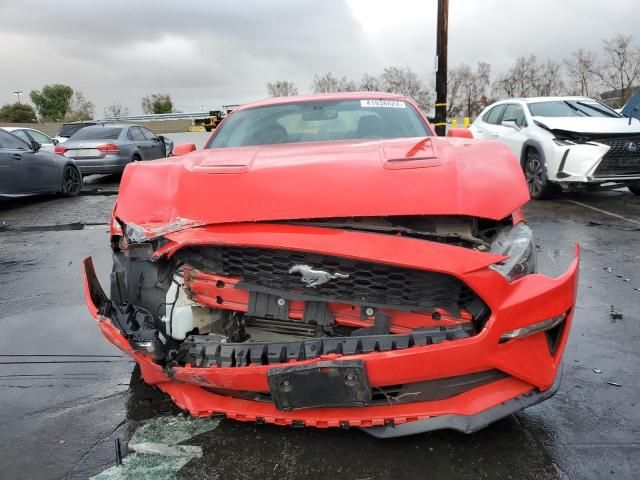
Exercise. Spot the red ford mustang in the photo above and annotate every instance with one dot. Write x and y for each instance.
(326, 261)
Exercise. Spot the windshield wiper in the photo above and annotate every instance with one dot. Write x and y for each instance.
(573, 107)
(604, 112)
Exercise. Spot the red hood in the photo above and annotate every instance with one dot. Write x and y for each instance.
(411, 176)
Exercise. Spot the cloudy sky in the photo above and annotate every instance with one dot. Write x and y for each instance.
(212, 52)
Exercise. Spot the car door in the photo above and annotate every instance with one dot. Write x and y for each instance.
(157, 149)
(513, 128)
(31, 171)
(141, 142)
(7, 166)
(488, 125)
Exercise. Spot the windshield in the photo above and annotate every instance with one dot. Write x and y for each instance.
(571, 108)
(70, 128)
(97, 133)
(319, 121)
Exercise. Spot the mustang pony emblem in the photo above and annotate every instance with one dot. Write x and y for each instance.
(313, 277)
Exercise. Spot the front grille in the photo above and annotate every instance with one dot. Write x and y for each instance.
(619, 160)
(368, 283)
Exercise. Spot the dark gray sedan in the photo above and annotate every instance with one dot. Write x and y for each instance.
(27, 170)
(109, 148)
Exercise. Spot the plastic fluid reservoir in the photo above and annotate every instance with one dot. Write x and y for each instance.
(182, 314)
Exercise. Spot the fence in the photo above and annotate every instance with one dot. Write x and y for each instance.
(158, 126)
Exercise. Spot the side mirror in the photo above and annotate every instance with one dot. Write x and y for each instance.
(459, 132)
(35, 146)
(511, 123)
(55, 141)
(183, 149)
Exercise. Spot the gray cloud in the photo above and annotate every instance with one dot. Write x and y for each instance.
(210, 52)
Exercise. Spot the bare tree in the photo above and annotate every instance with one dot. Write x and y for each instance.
(79, 108)
(328, 83)
(457, 79)
(468, 90)
(621, 67)
(116, 110)
(406, 82)
(281, 88)
(520, 80)
(548, 81)
(369, 83)
(581, 68)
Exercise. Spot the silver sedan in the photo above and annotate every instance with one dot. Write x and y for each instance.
(109, 148)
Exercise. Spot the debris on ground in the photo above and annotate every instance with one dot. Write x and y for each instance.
(615, 384)
(597, 370)
(608, 269)
(157, 454)
(615, 315)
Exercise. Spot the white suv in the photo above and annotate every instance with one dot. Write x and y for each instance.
(570, 142)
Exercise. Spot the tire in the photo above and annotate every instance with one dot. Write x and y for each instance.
(136, 158)
(71, 181)
(634, 188)
(535, 173)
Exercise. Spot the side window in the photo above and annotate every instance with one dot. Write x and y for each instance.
(493, 115)
(22, 135)
(148, 133)
(39, 137)
(135, 134)
(514, 112)
(10, 142)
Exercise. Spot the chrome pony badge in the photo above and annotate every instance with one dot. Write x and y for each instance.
(313, 278)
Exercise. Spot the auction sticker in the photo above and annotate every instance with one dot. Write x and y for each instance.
(382, 104)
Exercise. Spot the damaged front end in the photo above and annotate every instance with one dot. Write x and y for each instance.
(399, 324)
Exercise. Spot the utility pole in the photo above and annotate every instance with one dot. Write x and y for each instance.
(441, 73)
(18, 93)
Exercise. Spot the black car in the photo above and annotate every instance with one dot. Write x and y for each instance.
(68, 129)
(27, 170)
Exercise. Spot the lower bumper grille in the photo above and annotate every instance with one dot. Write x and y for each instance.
(209, 350)
(622, 159)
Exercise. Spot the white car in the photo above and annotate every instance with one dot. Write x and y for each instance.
(573, 143)
(29, 134)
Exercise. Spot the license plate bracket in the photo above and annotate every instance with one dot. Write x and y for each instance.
(322, 384)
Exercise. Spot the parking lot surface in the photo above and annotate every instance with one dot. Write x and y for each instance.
(65, 393)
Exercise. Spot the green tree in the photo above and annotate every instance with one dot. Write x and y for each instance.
(157, 103)
(17, 113)
(52, 101)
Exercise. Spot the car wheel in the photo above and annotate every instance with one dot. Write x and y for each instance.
(136, 158)
(634, 188)
(71, 181)
(539, 186)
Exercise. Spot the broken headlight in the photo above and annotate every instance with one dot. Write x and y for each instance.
(516, 243)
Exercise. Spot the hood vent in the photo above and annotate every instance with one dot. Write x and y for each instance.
(421, 155)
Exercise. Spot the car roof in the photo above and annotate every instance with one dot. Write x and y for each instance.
(114, 125)
(545, 99)
(323, 96)
(13, 129)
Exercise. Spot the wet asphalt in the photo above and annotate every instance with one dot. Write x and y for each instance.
(66, 394)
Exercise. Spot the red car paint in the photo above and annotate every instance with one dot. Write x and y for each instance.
(195, 200)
